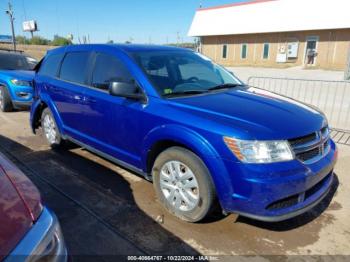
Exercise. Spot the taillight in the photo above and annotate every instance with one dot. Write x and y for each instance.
(25, 188)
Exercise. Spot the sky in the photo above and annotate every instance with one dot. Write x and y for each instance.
(142, 21)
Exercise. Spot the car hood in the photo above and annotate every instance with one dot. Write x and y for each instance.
(252, 113)
(19, 74)
(17, 198)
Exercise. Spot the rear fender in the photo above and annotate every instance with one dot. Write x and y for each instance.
(36, 109)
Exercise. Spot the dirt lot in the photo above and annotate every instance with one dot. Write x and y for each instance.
(106, 210)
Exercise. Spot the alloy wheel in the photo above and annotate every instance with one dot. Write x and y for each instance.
(50, 129)
(179, 186)
(1, 98)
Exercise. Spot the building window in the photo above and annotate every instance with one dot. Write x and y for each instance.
(266, 51)
(244, 51)
(224, 51)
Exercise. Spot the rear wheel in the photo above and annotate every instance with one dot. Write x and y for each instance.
(183, 184)
(5, 100)
(51, 132)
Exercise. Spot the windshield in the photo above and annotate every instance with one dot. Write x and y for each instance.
(176, 72)
(16, 62)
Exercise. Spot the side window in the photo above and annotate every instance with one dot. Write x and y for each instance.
(266, 51)
(108, 69)
(244, 51)
(74, 67)
(224, 51)
(51, 65)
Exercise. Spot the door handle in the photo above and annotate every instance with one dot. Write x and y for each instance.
(89, 100)
(76, 97)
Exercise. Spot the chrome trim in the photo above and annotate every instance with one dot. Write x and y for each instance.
(321, 139)
(34, 244)
(309, 145)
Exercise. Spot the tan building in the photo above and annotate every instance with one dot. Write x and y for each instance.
(276, 33)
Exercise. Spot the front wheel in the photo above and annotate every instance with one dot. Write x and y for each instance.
(5, 100)
(183, 184)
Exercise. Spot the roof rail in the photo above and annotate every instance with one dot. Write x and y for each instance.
(11, 50)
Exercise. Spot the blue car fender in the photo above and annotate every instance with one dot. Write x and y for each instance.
(44, 99)
(197, 144)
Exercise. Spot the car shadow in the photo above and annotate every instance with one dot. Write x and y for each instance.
(96, 206)
(297, 221)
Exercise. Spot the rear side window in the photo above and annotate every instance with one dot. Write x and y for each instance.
(74, 67)
(108, 69)
(51, 65)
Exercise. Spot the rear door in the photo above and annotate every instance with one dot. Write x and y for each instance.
(67, 90)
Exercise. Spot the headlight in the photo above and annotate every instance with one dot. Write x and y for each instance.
(20, 82)
(259, 151)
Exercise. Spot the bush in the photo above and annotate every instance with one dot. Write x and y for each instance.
(60, 41)
(38, 40)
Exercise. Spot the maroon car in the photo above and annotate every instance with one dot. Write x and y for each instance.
(28, 230)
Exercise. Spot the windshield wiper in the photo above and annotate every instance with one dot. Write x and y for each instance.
(224, 86)
(186, 92)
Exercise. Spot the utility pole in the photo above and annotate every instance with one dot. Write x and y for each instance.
(10, 14)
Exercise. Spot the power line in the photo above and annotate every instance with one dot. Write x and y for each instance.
(10, 14)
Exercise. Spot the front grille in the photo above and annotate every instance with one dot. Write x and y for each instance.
(312, 147)
(307, 155)
(302, 140)
(284, 203)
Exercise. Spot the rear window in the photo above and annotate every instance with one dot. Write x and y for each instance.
(51, 65)
(14, 62)
(74, 67)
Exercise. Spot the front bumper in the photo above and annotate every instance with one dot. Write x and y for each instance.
(43, 241)
(279, 191)
(21, 104)
(21, 96)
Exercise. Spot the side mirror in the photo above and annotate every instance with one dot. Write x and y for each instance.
(127, 90)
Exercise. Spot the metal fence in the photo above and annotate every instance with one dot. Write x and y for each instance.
(332, 97)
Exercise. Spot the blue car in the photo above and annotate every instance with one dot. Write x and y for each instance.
(203, 137)
(16, 75)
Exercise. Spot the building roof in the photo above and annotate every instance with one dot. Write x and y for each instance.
(267, 16)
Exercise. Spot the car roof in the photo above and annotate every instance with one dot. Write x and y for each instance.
(12, 53)
(128, 48)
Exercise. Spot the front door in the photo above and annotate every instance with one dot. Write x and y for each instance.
(112, 124)
(311, 50)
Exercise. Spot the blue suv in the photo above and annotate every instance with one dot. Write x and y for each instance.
(201, 135)
(16, 75)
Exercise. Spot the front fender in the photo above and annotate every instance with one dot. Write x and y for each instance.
(36, 109)
(200, 146)
(178, 134)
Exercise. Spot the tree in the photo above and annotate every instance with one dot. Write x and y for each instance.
(60, 41)
(38, 40)
(22, 40)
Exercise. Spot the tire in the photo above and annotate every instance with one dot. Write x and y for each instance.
(191, 196)
(50, 130)
(5, 100)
